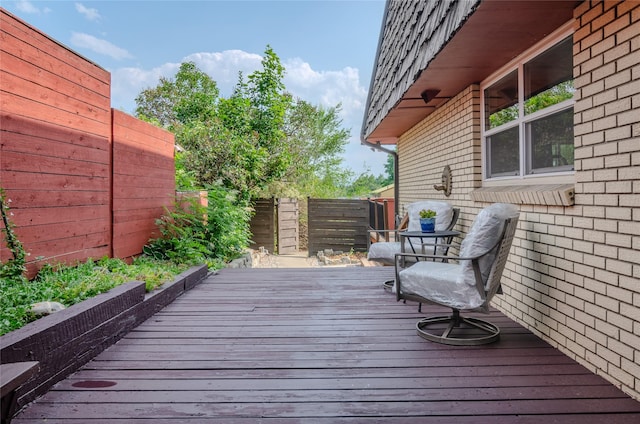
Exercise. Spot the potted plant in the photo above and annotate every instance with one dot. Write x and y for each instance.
(428, 220)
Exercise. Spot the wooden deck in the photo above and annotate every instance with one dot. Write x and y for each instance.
(321, 345)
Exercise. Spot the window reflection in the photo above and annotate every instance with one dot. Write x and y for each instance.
(501, 101)
(551, 142)
(549, 77)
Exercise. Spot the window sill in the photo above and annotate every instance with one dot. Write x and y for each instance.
(541, 194)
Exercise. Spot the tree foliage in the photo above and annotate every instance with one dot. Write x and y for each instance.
(258, 141)
(191, 95)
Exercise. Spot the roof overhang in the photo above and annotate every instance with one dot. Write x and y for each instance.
(496, 33)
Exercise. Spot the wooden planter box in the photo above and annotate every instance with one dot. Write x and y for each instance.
(66, 340)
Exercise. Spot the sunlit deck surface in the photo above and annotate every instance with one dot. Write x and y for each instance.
(321, 345)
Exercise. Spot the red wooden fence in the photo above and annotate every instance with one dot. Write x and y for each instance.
(143, 181)
(84, 181)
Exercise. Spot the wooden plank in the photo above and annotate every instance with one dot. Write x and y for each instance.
(56, 56)
(288, 226)
(13, 375)
(96, 125)
(263, 224)
(31, 140)
(338, 224)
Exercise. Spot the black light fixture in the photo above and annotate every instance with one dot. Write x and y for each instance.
(429, 94)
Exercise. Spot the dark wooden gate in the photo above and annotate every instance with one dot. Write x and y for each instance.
(263, 224)
(338, 224)
(288, 226)
(275, 225)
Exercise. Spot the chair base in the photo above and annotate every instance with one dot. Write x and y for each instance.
(468, 331)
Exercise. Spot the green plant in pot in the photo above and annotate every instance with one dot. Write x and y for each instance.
(428, 220)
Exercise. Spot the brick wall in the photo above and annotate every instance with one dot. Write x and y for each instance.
(603, 237)
(573, 276)
(449, 136)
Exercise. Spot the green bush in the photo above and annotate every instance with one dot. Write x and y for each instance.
(191, 233)
(73, 284)
(15, 267)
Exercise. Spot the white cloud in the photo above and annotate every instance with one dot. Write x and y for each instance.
(27, 7)
(325, 88)
(89, 13)
(223, 67)
(99, 46)
(127, 83)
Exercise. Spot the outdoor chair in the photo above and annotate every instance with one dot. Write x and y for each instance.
(464, 283)
(446, 218)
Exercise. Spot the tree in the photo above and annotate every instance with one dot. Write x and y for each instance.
(390, 170)
(257, 141)
(192, 95)
(315, 138)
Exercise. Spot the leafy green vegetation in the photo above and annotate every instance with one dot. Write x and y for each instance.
(194, 234)
(73, 284)
(259, 142)
(15, 267)
(68, 285)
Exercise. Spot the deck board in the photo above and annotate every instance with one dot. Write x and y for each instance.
(321, 345)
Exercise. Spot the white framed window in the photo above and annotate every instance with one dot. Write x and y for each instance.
(527, 114)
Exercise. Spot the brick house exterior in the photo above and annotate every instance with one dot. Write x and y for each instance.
(573, 275)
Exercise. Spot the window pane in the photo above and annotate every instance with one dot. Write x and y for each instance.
(501, 101)
(550, 142)
(503, 153)
(549, 77)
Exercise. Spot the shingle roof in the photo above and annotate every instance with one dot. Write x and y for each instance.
(412, 34)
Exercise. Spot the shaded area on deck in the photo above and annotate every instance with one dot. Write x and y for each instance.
(322, 345)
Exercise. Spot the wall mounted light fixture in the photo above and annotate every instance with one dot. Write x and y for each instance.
(428, 95)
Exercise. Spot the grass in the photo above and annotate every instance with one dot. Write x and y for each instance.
(71, 285)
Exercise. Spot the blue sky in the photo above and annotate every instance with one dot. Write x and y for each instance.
(327, 47)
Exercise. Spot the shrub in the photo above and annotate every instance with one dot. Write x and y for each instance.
(15, 267)
(73, 284)
(191, 233)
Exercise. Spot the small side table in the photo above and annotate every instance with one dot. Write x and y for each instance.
(446, 236)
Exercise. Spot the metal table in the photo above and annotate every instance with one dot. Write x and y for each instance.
(447, 237)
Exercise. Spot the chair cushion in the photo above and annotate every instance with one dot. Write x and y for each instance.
(386, 251)
(383, 251)
(441, 283)
(444, 214)
(484, 233)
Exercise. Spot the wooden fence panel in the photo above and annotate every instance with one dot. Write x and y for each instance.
(288, 226)
(338, 224)
(263, 225)
(143, 181)
(55, 149)
(84, 182)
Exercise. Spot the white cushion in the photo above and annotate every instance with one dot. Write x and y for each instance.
(444, 214)
(483, 235)
(440, 282)
(384, 250)
(454, 285)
